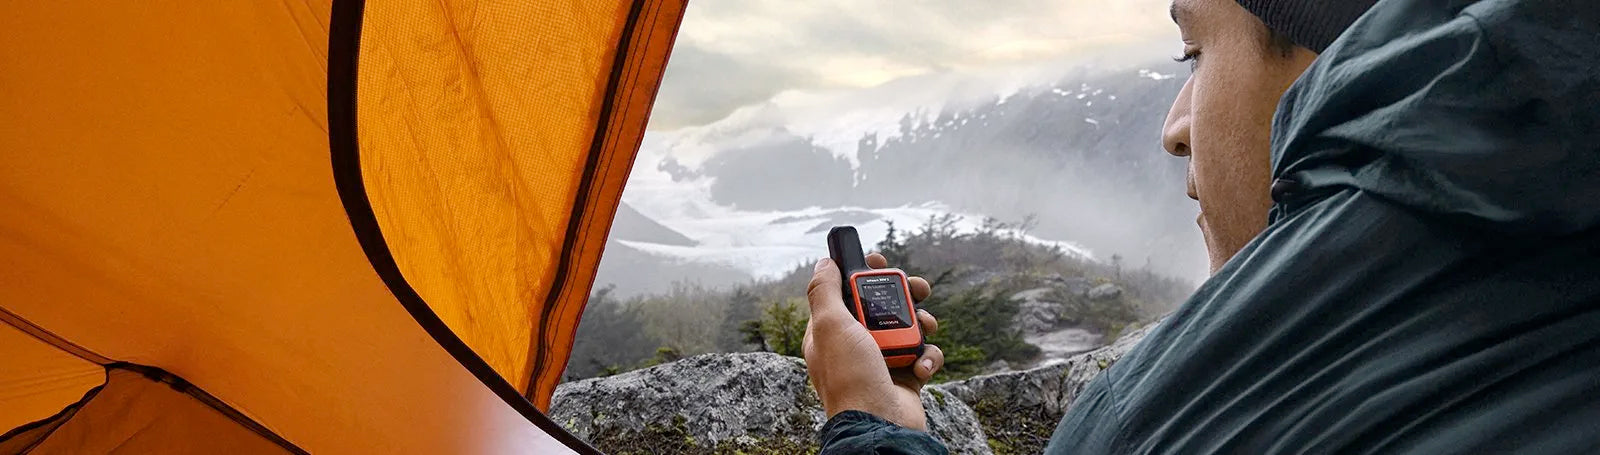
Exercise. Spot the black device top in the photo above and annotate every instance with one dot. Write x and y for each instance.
(844, 247)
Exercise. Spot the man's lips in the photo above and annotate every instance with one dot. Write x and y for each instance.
(1199, 218)
(1188, 185)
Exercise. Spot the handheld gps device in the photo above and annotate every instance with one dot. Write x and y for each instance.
(880, 299)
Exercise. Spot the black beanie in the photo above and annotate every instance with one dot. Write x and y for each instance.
(1310, 23)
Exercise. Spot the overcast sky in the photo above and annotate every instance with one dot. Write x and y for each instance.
(732, 53)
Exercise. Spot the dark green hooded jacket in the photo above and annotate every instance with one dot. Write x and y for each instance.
(1429, 281)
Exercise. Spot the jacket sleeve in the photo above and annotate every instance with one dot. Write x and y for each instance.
(856, 432)
(1091, 424)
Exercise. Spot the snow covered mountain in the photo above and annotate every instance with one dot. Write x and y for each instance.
(752, 195)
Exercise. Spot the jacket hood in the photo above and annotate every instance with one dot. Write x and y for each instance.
(1485, 113)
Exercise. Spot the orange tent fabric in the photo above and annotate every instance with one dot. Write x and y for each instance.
(324, 227)
(37, 380)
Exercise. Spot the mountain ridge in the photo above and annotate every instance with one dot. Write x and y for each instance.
(1081, 156)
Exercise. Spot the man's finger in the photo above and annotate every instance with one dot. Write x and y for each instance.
(931, 361)
(823, 291)
(929, 324)
(920, 289)
(877, 261)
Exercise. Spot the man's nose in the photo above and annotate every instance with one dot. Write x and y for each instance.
(1175, 133)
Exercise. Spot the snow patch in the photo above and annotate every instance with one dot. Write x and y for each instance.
(771, 244)
(768, 244)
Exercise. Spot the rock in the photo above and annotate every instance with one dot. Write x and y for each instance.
(702, 402)
(1073, 286)
(1041, 323)
(950, 420)
(1061, 344)
(1105, 291)
(1020, 409)
(754, 403)
(1035, 314)
(1032, 319)
(762, 403)
(1034, 294)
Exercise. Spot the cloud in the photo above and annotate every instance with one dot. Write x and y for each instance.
(733, 53)
(701, 86)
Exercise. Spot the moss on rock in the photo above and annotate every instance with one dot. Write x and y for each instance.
(1012, 430)
(675, 439)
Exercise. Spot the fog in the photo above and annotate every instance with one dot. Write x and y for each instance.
(733, 53)
(754, 142)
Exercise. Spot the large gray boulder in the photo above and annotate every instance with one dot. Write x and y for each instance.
(762, 403)
(751, 403)
(1020, 409)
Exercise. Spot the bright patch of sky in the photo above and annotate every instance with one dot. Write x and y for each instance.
(736, 53)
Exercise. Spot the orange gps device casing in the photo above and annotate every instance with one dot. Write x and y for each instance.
(900, 346)
(886, 310)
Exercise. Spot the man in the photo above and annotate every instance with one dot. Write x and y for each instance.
(1406, 260)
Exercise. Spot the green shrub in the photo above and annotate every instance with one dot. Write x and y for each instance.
(975, 329)
(783, 326)
(973, 274)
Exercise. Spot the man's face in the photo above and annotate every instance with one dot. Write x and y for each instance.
(1222, 120)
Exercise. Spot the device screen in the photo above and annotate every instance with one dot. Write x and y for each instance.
(883, 301)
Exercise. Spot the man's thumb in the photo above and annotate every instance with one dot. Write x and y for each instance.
(823, 292)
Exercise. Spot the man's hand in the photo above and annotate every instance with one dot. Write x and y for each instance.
(844, 362)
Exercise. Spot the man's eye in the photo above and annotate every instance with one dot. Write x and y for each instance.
(1191, 56)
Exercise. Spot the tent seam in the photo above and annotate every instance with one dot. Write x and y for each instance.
(52, 339)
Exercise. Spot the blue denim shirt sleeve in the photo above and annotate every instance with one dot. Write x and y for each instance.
(856, 432)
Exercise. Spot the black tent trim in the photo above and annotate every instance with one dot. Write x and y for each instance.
(344, 45)
(576, 222)
(181, 385)
(56, 419)
(152, 373)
